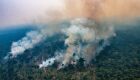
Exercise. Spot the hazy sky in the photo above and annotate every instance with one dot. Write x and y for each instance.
(14, 12)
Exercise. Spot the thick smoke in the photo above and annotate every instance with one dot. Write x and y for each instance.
(98, 10)
(85, 39)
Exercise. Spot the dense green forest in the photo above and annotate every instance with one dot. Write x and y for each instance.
(119, 61)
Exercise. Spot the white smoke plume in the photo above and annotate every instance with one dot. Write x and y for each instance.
(50, 61)
(47, 63)
(85, 39)
(29, 41)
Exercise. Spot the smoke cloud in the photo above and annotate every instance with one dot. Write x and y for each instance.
(85, 39)
(29, 41)
(33, 38)
(15, 12)
(51, 61)
(86, 35)
(93, 9)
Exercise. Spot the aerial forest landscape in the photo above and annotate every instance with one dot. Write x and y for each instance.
(69, 40)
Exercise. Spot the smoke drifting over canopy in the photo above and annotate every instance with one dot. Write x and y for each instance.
(86, 35)
(85, 39)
